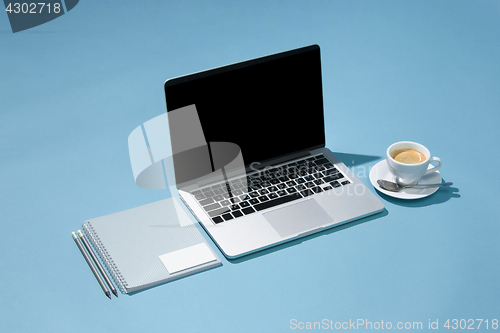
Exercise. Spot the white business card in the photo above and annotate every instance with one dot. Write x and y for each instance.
(188, 257)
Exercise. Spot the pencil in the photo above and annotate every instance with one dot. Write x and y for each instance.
(91, 265)
(97, 263)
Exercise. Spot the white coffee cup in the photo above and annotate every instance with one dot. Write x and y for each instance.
(410, 174)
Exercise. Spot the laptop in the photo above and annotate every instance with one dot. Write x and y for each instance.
(265, 115)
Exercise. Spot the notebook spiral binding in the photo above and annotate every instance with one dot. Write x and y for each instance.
(105, 257)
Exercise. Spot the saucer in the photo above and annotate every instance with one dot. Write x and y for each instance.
(381, 171)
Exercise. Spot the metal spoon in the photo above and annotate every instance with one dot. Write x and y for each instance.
(394, 187)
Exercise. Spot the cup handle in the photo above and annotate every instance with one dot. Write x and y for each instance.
(435, 168)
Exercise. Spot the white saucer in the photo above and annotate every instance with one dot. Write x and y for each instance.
(381, 171)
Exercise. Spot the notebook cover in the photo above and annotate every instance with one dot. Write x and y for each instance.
(131, 242)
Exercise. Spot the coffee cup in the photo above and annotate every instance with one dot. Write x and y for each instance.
(409, 161)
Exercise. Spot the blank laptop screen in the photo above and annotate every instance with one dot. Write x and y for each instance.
(270, 106)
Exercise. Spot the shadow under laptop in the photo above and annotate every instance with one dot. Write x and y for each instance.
(307, 238)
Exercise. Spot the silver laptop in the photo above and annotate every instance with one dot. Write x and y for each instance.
(266, 116)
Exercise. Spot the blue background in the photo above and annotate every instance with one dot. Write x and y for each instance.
(73, 89)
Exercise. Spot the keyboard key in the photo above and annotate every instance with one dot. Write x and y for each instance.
(199, 197)
(211, 207)
(218, 198)
(333, 177)
(274, 181)
(254, 194)
(301, 187)
(263, 198)
(256, 201)
(281, 186)
(291, 190)
(244, 204)
(335, 184)
(244, 197)
(248, 210)
(300, 181)
(225, 203)
(207, 201)
(282, 193)
(217, 219)
(273, 196)
(272, 189)
(303, 173)
(326, 188)
(345, 182)
(273, 172)
(318, 181)
(255, 178)
(265, 176)
(234, 207)
(227, 217)
(264, 191)
(321, 161)
(316, 189)
(291, 183)
(330, 171)
(321, 167)
(309, 178)
(278, 201)
(309, 184)
(237, 213)
(209, 194)
(218, 211)
(307, 192)
(256, 187)
(238, 185)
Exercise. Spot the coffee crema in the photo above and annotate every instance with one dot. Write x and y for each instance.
(408, 156)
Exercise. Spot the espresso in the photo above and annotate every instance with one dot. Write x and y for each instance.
(408, 156)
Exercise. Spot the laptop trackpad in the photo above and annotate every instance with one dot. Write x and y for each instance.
(298, 218)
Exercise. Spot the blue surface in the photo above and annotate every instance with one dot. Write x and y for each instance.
(72, 90)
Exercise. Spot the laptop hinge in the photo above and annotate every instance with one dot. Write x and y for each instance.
(257, 166)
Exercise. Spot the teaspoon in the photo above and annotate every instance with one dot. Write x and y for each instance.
(394, 187)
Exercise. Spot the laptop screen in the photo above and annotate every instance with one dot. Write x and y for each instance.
(270, 106)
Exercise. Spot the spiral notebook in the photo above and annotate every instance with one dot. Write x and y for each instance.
(149, 245)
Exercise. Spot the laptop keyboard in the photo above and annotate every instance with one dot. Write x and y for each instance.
(269, 188)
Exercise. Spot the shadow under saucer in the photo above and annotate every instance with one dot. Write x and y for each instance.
(442, 195)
